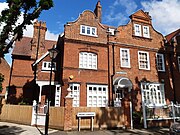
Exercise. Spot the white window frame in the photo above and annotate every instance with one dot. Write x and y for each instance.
(88, 30)
(88, 60)
(97, 95)
(46, 65)
(178, 60)
(160, 62)
(125, 58)
(141, 61)
(146, 32)
(75, 93)
(137, 30)
(153, 94)
(58, 96)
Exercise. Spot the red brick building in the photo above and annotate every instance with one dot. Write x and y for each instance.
(23, 87)
(172, 47)
(4, 70)
(108, 64)
(103, 65)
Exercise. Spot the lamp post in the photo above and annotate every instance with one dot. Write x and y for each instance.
(52, 54)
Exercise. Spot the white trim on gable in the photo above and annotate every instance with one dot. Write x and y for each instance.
(41, 58)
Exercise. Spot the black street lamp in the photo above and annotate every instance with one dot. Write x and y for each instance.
(52, 54)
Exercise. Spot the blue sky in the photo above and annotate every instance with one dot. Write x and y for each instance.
(165, 14)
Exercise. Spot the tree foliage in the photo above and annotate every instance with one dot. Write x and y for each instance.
(31, 10)
(1, 81)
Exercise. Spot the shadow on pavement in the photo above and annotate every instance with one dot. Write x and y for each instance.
(151, 131)
(10, 130)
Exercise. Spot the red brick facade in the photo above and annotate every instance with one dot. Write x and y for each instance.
(106, 47)
(23, 87)
(4, 70)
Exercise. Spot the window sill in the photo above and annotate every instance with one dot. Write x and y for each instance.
(88, 69)
(146, 38)
(88, 35)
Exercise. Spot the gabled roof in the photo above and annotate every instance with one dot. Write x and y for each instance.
(172, 35)
(141, 15)
(23, 47)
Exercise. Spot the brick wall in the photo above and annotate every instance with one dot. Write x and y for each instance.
(5, 70)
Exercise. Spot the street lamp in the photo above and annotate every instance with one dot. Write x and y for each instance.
(52, 54)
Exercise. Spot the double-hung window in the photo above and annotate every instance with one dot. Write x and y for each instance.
(97, 95)
(160, 62)
(88, 30)
(137, 30)
(125, 57)
(141, 31)
(75, 93)
(146, 31)
(143, 59)
(87, 60)
(47, 65)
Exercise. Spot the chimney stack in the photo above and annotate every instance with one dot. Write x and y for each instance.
(38, 39)
(98, 10)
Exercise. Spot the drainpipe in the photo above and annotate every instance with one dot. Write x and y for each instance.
(112, 76)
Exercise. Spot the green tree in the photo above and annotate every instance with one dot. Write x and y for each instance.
(31, 10)
(1, 81)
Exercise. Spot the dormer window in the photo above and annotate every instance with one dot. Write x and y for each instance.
(141, 31)
(146, 31)
(47, 66)
(87, 30)
(137, 29)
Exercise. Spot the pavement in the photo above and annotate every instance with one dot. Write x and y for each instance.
(18, 129)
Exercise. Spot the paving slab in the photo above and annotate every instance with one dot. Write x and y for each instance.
(7, 128)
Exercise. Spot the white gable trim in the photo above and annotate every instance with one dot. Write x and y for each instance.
(41, 58)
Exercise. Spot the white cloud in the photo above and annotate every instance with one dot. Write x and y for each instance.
(119, 11)
(165, 14)
(51, 36)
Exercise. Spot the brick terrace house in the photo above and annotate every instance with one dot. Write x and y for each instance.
(4, 70)
(103, 65)
(22, 81)
(173, 60)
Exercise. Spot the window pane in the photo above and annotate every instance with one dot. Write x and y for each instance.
(137, 29)
(75, 93)
(144, 60)
(83, 29)
(87, 60)
(88, 30)
(125, 58)
(98, 97)
(146, 31)
(154, 94)
(160, 62)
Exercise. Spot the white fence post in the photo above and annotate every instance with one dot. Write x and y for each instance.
(34, 116)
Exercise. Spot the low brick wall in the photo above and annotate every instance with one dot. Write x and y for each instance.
(106, 117)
